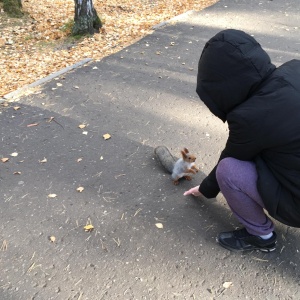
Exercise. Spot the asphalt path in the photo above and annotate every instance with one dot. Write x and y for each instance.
(148, 240)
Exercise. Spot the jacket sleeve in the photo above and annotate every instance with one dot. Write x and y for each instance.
(243, 143)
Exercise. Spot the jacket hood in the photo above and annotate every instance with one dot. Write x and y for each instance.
(231, 67)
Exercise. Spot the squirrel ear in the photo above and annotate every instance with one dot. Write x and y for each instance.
(183, 153)
(186, 150)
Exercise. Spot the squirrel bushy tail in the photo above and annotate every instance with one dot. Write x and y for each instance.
(165, 157)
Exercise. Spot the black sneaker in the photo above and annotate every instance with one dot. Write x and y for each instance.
(241, 240)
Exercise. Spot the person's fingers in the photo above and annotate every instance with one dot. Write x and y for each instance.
(193, 191)
(187, 193)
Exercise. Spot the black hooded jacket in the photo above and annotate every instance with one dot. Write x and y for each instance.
(261, 104)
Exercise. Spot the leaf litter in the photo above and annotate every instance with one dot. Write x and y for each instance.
(33, 47)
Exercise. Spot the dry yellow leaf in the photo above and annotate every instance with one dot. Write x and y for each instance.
(4, 159)
(227, 284)
(52, 195)
(35, 64)
(79, 159)
(17, 107)
(17, 173)
(88, 227)
(81, 126)
(159, 225)
(43, 160)
(14, 154)
(106, 136)
(80, 189)
(58, 84)
(52, 238)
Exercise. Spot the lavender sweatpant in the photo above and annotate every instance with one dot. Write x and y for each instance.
(237, 181)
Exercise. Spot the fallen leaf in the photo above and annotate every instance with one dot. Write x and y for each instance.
(14, 154)
(79, 159)
(159, 225)
(52, 195)
(4, 246)
(17, 173)
(4, 159)
(227, 284)
(80, 189)
(33, 124)
(88, 227)
(43, 160)
(58, 84)
(95, 68)
(17, 107)
(84, 132)
(81, 126)
(26, 38)
(52, 238)
(106, 136)
(76, 87)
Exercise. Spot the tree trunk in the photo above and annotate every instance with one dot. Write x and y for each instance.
(13, 7)
(86, 20)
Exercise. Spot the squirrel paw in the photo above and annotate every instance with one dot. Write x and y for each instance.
(188, 178)
(176, 182)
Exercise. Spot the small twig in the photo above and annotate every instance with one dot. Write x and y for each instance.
(118, 242)
(133, 153)
(222, 291)
(119, 175)
(80, 295)
(8, 199)
(137, 212)
(110, 199)
(209, 227)
(53, 119)
(5, 285)
(72, 230)
(103, 246)
(33, 266)
(33, 255)
(259, 259)
(78, 281)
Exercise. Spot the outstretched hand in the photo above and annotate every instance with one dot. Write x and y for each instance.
(193, 191)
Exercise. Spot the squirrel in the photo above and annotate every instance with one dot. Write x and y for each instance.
(182, 167)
